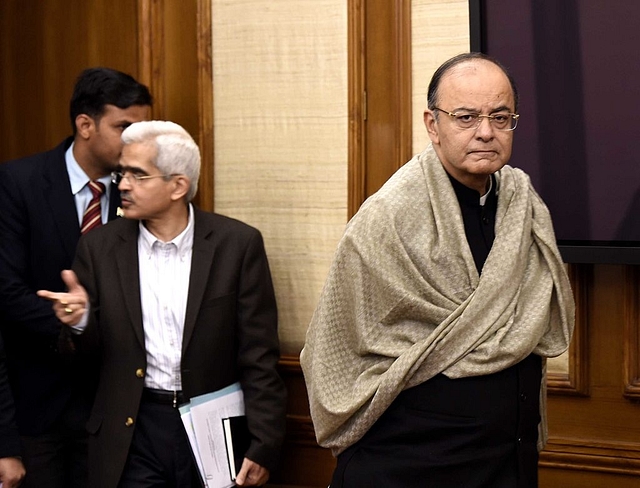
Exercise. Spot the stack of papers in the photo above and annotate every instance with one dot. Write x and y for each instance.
(203, 420)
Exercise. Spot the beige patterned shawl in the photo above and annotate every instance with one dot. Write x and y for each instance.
(403, 300)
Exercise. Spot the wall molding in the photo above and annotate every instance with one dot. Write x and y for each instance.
(205, 196)
(150, 46)
(357, 105)
(576, 381)
(589, 455)
(300, 431)
(380, 94)
(152, 71)
(632, 334)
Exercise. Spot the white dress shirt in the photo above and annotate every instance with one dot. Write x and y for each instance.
(164, 270)
(80, 187)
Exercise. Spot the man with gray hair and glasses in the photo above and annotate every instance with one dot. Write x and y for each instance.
(425, 357)
(176, 302)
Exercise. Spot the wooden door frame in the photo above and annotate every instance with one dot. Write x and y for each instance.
(153, 68)
(380, 105)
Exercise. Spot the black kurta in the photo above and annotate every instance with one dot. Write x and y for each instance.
(475, 432)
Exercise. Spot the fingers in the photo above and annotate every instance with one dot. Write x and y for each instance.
(68, 306)
(252, 474)
(75, 291)
(241, 476)
(69, 312)
(71, 281)
(53, 296)
(11, 472)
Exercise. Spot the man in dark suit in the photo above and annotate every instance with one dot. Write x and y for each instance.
(11, 467)
(43, 200)
(177, 303)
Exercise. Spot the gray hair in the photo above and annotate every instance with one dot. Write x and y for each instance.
(177, 152)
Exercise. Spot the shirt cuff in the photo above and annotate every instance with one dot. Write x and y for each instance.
(81, 326)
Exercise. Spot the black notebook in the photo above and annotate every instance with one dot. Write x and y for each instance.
(237, 440)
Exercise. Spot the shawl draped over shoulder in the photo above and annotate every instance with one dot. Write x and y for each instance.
(403, 300)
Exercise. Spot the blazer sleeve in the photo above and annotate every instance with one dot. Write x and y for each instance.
(258, 355)
(9, 437)
(88, 341)
(18, 301)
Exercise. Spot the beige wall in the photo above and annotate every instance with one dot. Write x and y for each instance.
(280, 118)
(281, 127)
(439, 30)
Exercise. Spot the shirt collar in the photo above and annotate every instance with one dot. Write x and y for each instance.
(77, 177)
(483, 198)
(470, 196)
(183, 241)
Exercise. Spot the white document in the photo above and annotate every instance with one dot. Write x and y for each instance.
(185, 414)
(202, 418)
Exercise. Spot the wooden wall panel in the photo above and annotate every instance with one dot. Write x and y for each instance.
(357, 105)
(175, 63)
(388, 110)
(576, 380)
(304, 463)
(632, 335)
(43, 47)
(596, 436)
(582, 479)
(181, 63)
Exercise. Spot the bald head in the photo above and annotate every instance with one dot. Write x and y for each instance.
(433, 93)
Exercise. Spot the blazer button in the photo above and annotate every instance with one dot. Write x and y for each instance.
(129, 422)
(140, 373)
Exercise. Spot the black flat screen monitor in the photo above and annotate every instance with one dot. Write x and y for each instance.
(577, 66)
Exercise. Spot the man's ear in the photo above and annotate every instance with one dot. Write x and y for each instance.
(432, 127)
(182, 184)
(85, 126)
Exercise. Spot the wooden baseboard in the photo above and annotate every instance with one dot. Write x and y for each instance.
(588, 455)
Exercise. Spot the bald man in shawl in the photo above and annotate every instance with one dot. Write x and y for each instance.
(425, 357)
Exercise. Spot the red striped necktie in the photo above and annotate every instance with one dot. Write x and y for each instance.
(92, 217)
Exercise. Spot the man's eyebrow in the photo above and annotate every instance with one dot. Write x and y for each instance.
(502, 108)
(465, 109)
(132, 169)
(476, 111)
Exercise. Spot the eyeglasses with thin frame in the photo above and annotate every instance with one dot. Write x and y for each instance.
(471, 120)
(133, 178)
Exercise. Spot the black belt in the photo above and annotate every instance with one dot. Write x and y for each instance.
(163, 397)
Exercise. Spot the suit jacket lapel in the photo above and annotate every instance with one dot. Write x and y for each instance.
(57, 193)
(201, 261)
(128, 269)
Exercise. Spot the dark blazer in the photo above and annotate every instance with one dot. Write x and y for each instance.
(230, 334)
(9, 437)
(39, 232)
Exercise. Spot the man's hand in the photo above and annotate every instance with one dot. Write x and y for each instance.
(252, 474)
(11, 472)
(70, 306)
